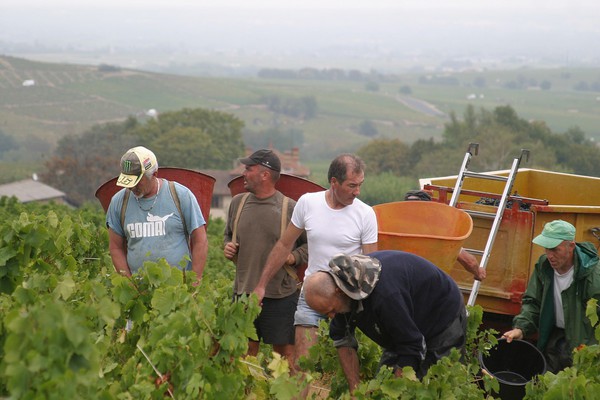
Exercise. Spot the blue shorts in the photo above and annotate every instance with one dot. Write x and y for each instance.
(306, 316)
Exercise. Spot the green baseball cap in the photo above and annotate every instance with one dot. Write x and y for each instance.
(555, 233)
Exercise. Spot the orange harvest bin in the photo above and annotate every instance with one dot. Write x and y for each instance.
(200, 184)
(434, 231)
(290, 185)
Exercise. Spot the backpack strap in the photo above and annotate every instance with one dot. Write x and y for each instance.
(123, 208)
(178, 205)
(237, 217)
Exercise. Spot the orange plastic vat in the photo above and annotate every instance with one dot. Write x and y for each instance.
(434, 231)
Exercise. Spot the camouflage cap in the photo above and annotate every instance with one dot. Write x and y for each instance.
(355, 275)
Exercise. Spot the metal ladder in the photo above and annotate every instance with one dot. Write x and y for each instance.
(497, 216)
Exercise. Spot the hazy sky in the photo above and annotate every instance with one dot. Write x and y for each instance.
(559, 30)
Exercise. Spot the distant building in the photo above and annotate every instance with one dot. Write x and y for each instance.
(29, 190)
(221, 197)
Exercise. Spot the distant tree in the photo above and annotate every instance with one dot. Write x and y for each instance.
(385, 187)
(440, 161)
(386, 155)
(81, 163)
(274, 73)
(576, 135)
(582, 86)
(367, 128)
(479, 82)
(355, 75)
(457, 132)
(185, 147)
(309, 73)
(192, 138)
(418, 149)
(310, 108)
(223, 129)
(303, 107)
(501, 135)
(372, 86)
(334, 74)
(545, 85)
(7, 143)
(108, 68)
(405, 89)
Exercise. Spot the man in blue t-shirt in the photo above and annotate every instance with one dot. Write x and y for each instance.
(153, 226)
(403, 302)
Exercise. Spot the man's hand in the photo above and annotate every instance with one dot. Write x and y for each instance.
(513, 334)
(480, 274)
(291, 260)
(260, 292)
(230, 250)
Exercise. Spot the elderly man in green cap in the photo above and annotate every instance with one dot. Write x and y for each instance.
(403, 302)
(563, 280)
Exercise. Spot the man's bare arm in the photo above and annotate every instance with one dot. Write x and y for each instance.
(199, 248)
(470, 264)
(349, 362)
(117, 246)
(369, 248)
(277, 257)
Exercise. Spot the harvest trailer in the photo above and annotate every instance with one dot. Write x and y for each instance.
(536, 197)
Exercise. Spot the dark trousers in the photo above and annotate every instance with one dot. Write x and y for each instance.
(454, 336)
(558, 353)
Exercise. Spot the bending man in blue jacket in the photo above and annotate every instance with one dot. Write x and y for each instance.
(554, 304)
(404, 303)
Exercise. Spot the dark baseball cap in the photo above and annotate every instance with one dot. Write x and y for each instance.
(263, 157)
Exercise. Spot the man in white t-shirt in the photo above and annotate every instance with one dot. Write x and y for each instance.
(565, 277)
(335, 221)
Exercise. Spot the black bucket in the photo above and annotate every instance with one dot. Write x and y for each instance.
(513, 365)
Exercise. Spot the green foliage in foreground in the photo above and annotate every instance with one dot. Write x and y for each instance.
(72, 328)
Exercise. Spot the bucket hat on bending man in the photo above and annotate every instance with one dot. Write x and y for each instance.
(356, 275)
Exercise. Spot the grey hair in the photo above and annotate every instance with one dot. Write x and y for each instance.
(340, 165)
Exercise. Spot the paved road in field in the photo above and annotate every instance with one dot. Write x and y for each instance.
(421, 106)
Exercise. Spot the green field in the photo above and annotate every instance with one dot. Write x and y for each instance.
(67, 99)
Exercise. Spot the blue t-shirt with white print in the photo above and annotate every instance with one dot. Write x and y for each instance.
(155, 231)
